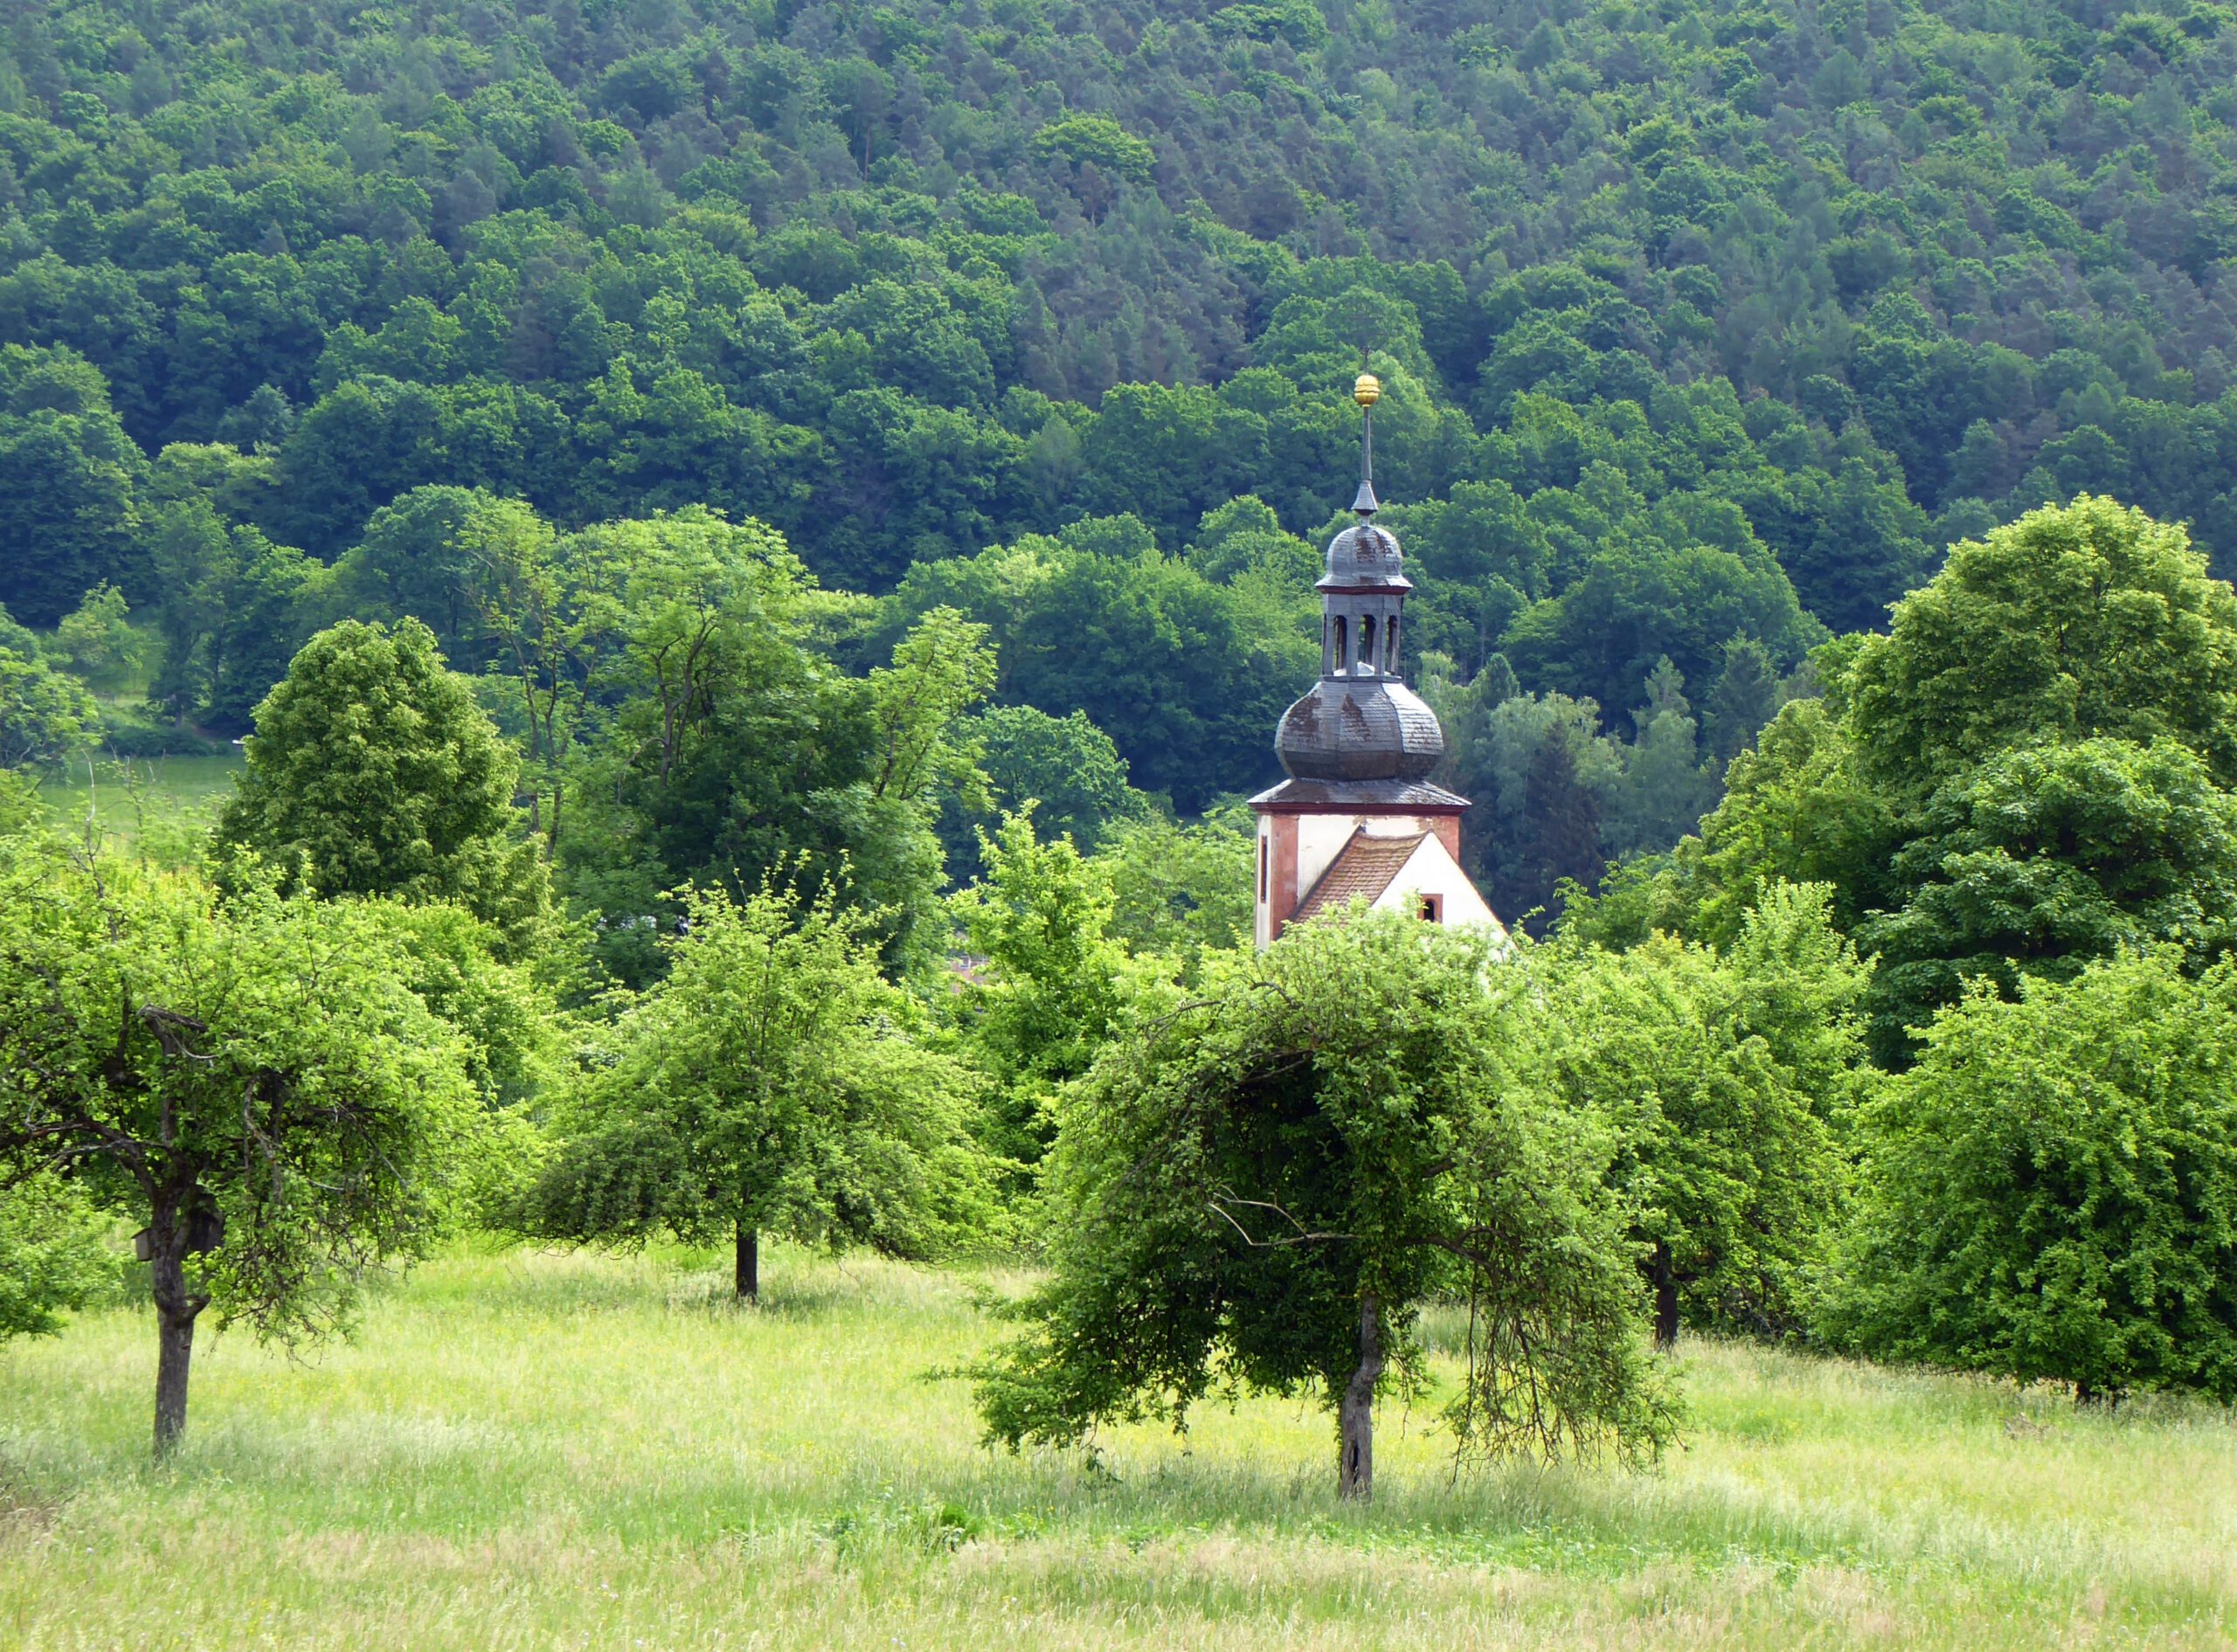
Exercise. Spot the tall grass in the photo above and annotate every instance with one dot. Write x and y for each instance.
(537, 1450)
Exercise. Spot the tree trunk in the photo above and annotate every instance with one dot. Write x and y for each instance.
(749, 1262)
(1663, 1272)
(175, 1314)
(174, 1351)
(1356, 1412)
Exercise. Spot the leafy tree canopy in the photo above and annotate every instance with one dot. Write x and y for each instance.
(2085, 619)
(372, 772)
(53, 1254)
(1258, 1188)
(768, 1083)
(2047, 856)
(2051, 1192)
(247, 1077)
(2024, 774)
(1728, 1079)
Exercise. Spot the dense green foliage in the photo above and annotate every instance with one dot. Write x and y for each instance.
(1697, 327)
(251, 1079)
(2090, 620)
(1729, 1080)
(2051, 1191)
(2029, 770)
(2051, 856)
(372, 772)
(761, 541)
(46, 716)
(51, 1254)
(1256, 1188)
(1065, 769)
(1053, 988)
(768, 1083)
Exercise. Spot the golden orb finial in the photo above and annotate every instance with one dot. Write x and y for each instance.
(1367, 390)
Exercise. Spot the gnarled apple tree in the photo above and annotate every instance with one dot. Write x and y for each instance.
(248, 1076)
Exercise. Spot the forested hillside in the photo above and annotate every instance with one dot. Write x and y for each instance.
(1705, 326)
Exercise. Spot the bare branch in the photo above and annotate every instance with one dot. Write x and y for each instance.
(1224, 1197)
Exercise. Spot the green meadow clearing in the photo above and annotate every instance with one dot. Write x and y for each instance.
(132, 797)
(533, 1450)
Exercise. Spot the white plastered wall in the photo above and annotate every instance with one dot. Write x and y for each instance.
(1431, 870)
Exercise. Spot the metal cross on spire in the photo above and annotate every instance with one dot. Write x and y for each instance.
(1367, 391)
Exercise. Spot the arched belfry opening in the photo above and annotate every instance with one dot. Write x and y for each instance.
(1359, 818)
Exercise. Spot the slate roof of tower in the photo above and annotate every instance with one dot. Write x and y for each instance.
(1365, 557)
(1359, 728)
(1363, 869)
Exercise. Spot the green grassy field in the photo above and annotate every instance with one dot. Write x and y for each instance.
(133, 797)
(525, 1450)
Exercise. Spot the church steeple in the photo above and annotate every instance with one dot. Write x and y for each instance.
(1361, 723)
(1359, 819)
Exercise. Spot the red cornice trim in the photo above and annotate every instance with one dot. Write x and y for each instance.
(1407, 809)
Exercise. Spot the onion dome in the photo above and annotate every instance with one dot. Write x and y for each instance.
(1377, 730)
(1364, 557)
(1359, 722)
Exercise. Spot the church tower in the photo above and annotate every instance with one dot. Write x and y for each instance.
(1358, 818)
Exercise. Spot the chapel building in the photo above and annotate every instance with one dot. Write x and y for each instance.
(1358, 818)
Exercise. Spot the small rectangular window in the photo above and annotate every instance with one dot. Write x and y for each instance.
(1432, 908)
(1262, 870)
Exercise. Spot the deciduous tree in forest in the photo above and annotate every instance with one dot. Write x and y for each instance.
(1067, 765)
(372, 772)
(1561, 835)
(1729, 1081)
(2088, 618)
(2051, 1192)
(1183, 891)
(1039, 914)
(2030, 770)
(69, 486)
(95, 641)
(46, 718)
(730, 746)
(453, 559)
(2046, 857)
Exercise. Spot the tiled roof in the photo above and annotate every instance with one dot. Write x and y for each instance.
(1361, 870)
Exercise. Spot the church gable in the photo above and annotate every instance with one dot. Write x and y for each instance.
(1432, 887)
(1414, 873)
(1364, 869)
